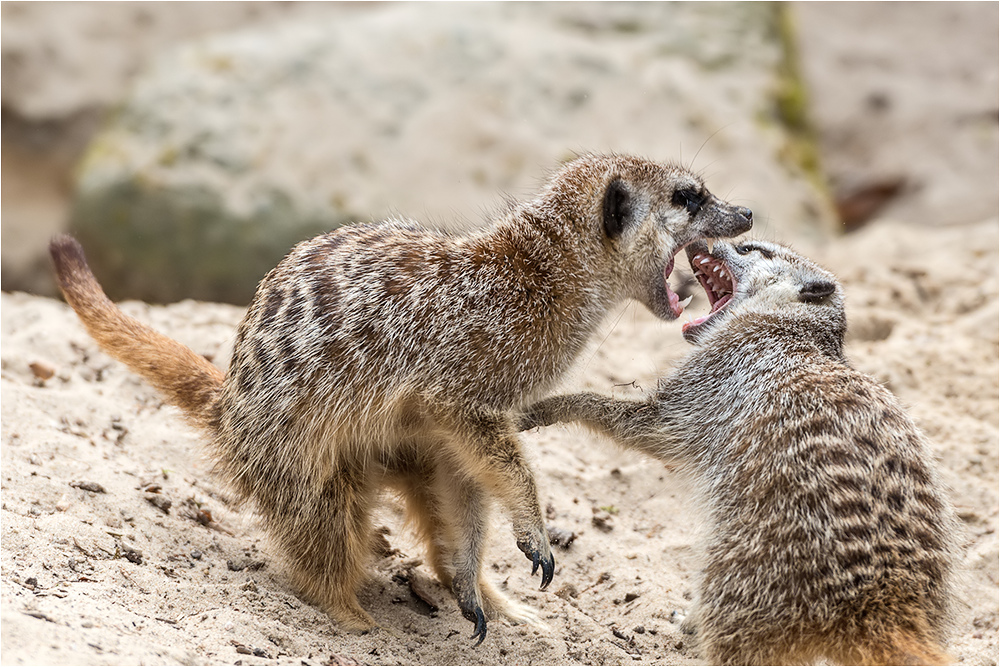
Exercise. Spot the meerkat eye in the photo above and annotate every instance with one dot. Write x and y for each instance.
(747, 248)
(816, 291)
(689, 199)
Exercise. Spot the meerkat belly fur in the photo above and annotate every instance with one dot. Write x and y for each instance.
(829, 532)
(387, 355)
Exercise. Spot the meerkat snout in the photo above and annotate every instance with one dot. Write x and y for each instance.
(647, 222)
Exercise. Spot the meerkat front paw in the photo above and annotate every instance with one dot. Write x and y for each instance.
(534, 544)
(477, 616)
(470, 602)
(542, 413)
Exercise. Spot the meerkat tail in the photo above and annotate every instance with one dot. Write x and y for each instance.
(187, 379)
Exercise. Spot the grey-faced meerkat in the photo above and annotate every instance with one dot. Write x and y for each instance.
(387, 355)
(829, 534)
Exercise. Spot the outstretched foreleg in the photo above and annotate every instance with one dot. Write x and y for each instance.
(637, 425)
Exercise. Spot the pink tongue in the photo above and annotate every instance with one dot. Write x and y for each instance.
(674, 300)
(721, 302)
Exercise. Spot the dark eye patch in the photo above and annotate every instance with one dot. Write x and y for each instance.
(689, 199)
(747, 248)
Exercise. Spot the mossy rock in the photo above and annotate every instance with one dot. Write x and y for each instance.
(228, 151)
(161, 244)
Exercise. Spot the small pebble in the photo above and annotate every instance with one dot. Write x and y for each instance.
(621, 635)
(93, 487)
(560, 537)
(42, 370)
(241, 564)
(161, 503)
(131, 554)
(603, 522)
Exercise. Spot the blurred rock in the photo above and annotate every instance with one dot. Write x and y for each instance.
(231, 149)
(65, 65)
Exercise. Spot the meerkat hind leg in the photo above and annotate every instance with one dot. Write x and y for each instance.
(326, 537)
(425, 516)
(466, 527)
(426, 492)
(478, 598)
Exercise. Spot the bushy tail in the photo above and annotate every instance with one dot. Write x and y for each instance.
(187, 379)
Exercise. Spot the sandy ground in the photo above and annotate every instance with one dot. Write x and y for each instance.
(119, 546)
(137, 573)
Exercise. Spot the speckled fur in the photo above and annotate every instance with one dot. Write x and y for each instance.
(389, 355)
(830, 534)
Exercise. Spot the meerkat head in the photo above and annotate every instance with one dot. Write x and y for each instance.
(764, 278)
(649, 212)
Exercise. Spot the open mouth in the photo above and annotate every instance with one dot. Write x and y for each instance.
(718, 282)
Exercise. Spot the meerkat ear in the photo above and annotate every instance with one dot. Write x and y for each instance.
(617, 208)
(816, 290)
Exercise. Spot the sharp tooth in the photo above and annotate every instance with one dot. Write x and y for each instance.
(704, 261)
(685, 302)
(711, 243)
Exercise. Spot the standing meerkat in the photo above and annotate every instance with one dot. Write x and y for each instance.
(389, 355)
(830, 534)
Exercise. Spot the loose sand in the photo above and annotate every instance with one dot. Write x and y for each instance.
(161, 567)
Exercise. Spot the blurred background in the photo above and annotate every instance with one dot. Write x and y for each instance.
(189, 145)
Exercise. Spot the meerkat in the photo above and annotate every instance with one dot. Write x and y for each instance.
(829, 533)
(388, 355)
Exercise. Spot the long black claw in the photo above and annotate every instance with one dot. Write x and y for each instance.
(548, 569)
(534, 563)
(480, 628)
